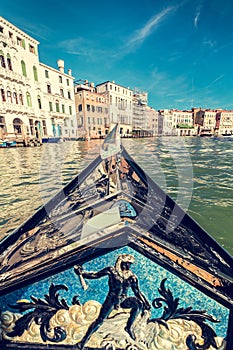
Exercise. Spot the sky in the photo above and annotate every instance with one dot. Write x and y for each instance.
(180, 52)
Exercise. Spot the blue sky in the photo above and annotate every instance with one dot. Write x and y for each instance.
(181, 52)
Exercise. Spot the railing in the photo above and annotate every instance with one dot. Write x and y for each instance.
(13, 76)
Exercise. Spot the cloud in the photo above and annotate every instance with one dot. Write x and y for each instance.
(81, 47)
(151, 25)
(215, 81)
(197, 16)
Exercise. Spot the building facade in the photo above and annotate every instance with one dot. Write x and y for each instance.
(224, 123)
(120, 100)
(140, 116)
(92, 110)
(37, 101)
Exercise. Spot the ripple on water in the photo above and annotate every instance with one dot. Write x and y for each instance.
(176, 164)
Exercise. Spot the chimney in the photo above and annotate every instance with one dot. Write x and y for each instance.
(60, 64)
(69, 72)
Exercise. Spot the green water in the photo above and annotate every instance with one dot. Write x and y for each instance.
(196, 172)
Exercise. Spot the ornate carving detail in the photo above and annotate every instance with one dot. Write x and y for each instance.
(42, 314)
(171, 311)
(52, 320)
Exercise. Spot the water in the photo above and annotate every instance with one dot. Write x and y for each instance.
(196, 172)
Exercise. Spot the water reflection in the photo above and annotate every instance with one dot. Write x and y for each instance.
(189, 169)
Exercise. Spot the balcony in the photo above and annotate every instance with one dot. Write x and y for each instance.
(14, 108)
(13, 76)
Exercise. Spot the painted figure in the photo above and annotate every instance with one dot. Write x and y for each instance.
(120, 280)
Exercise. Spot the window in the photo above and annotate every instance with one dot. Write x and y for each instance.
(88, 108)
(2, 60)
(57, 106)
(2, 125)
(3, 95)
(39, 102)
(93, 108)
(29, 100)
(31, 48)
(17, 124)
(20, 42)
(49, 89)
(65, 122)
(10, 35)
(35, 73)
(44, 127)
(8, 60)
(63, 108)
(62, 92)
(46, 73)
(80, 108)
(67, 82)
(69, 95)
(50, 106)
(23, 66)
(9, 96)
(60, 79)
(70, 110)
(15, 98)
(1, 29)
(31, 126)
(72, 123)
(21, 98)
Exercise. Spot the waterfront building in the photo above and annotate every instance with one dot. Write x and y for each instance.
(140, 115)
(205, 121)
(224, 122)
(36, 101)
(153, 121)
(166, 122)
(182, 123)
(92, 110)
(120, 100)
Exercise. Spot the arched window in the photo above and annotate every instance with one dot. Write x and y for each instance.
(21, 98)
(29, 100)
(17, 123)
(8, 60)
(15, 97)
(2, 60)
(39, 102)
(35, 73)
(9, 96)
(80, 108)
(23, 66)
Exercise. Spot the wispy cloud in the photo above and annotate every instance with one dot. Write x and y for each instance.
(151, 25)
(197, 16)
(81, 47)
(215, 81)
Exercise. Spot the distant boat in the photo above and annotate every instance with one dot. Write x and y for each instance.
(7, 143)
(110, 218)
(206, 133)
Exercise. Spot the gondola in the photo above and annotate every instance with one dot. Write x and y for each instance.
(112, 262)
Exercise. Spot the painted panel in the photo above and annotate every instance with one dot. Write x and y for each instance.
(132, 303)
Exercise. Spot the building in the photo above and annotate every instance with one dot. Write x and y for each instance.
(120, 101)
(224, 123)
(183, 123)
(152, 121)
(140, 116)
(92, 110)
(37, 101)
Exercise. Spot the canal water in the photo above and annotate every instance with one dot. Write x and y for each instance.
(196, 172)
